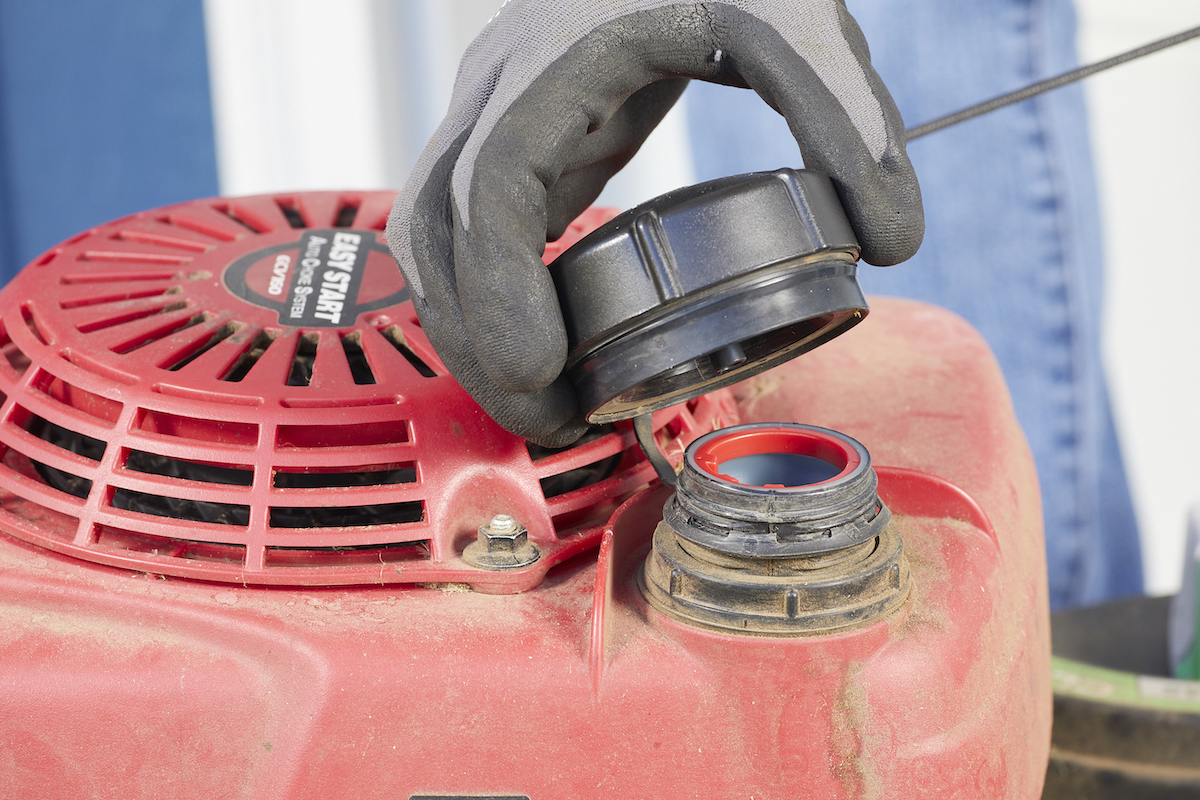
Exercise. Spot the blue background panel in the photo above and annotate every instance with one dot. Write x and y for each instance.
(104, 111)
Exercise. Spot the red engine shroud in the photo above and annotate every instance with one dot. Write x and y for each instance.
(239, 390)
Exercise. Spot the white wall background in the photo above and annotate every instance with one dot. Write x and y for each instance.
(1145, 118)
(310, 94)
(296, 100)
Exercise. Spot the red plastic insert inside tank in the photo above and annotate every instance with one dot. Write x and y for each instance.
(777, 458)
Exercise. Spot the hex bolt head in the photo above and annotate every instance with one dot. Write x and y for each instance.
(503, 535)
(503, 543)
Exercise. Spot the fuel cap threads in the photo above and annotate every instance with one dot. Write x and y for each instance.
(776, 529)
(705, 286)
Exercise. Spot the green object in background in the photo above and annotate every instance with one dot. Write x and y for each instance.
(1128, 690)
(1183, 626)
(1123, 728)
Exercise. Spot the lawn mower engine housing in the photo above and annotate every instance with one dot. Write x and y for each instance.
(256, 542)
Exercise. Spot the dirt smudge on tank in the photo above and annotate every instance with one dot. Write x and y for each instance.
(928, 569)
(849, 739)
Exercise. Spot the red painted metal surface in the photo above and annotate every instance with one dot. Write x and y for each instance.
(191, 392)
(129, 684)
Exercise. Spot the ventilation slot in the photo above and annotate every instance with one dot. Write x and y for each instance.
(669, 432)
(31, 323)
(219, 335)
(346, 215)
(359, 368)
(396, 336)
(348, 516)
(151, 464)
(176, 508)
(14, 355)
(133, 257)
(72, 396)
(48, 521)
(75, 485)
(116, 297)
(161, 333)
(129, 316)
(201, 430)
(161, 240)
(70, 441)
(112, 538)
(580, 477)
(373, 475)
(248, 359)
(316, 436)
(116, 277)
(292, 213)
(244, 218)
(302, 360)
(199, 226)
(347, 556)
(571, 480)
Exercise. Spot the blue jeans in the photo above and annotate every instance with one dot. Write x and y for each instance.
(1012, 242)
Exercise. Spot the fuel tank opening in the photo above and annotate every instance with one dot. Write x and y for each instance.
(777, 457)
(776, 530)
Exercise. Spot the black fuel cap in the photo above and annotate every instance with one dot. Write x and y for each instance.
(705, 286)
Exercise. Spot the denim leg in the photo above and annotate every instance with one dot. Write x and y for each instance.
(1012, 242)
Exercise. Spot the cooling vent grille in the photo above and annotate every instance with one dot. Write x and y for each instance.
(161, 413)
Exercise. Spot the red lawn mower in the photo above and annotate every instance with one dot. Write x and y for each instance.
(257, 542)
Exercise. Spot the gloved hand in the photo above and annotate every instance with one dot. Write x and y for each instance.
(551, 100)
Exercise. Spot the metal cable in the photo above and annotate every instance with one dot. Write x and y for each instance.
(1048, 84)
(643, 431)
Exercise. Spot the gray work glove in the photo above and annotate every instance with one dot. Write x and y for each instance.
(551, 100)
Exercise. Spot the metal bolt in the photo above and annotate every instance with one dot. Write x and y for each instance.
(502, 544)
(502, 523)
(503, 535)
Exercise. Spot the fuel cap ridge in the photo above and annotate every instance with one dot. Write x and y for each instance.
(705, 286)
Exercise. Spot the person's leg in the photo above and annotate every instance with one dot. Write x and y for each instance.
(1012, 242)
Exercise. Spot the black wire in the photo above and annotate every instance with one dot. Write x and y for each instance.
(643, 430)
(1046, 85)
